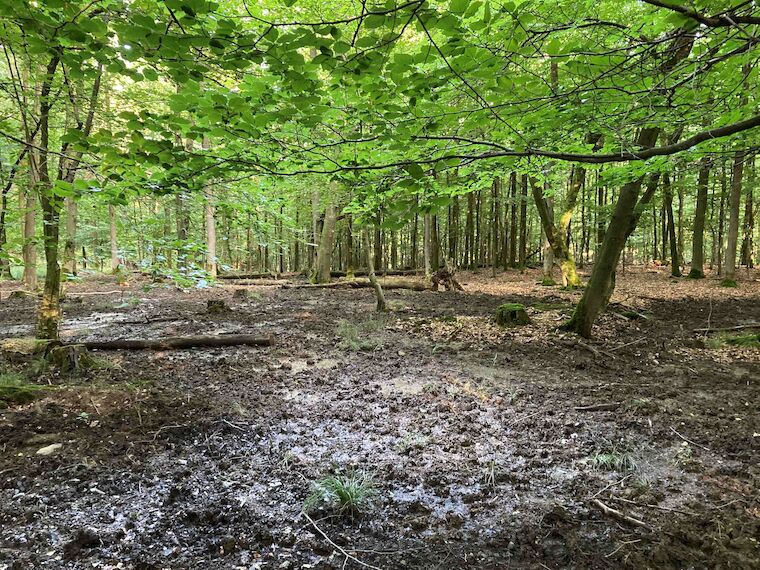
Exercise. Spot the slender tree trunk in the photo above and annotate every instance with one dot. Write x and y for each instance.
(29, 249)
(70, 246)
(513, 220)
(454, 231)
(675, 269)
(495, 216)
(523, 254)
(427, 245)
(722, 217)
(326, 242)
(350, 264)
(371, 273)
(209, 211)
(698, 238)
(115, 261)
(624, 218)
(749, 220)
(469, 232)
(734, 203)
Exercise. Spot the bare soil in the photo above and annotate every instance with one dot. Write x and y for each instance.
(479, 458)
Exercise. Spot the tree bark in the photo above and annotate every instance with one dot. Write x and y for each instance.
(622, 223)
(324, 252)
(675, 262)
(698, 238)
(734, 203)
(379, 296)
(113, 239)
(70, 246)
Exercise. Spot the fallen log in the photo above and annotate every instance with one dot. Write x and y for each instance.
(266, 275)
(178, 342)
(365, 273)
(727, 329)
(364, 284)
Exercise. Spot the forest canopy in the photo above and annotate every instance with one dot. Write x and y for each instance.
(282, 118)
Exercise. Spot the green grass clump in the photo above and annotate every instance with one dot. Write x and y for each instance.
(15, 389)
(613, 461)
(354, 336)
(729, 283)
(346, 494)
(745, 340)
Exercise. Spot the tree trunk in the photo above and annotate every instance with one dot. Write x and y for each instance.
(29, 223)
(523, 251)
(512, 262)
(749, 221)
(115, 261)
(734, 203)
(469, 232)
(372, 278)
(624, 219)
(70, 246)
(698, 238)
(326, 242)
(350, 264)
(675, 261)
(426, 245)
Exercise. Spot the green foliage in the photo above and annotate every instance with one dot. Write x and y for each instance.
(744, 340)
(347, 494)
(614, 460)
(16, 389)
(359, 336)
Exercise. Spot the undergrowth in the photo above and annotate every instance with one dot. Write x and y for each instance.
(16, 389)
(744, 340)
(614, 460)
(346, 494)
(357, 336)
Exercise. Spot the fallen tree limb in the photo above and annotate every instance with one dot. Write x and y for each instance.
(606, 407)
(365, 273)
(335, 546)
(687, 440)
(364, 284)
(726, 329)
(618, 515)
(177, 342)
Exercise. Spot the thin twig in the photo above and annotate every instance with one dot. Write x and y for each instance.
(595, 495)
(620, 516)
(658, 507)
(338, 548)
(687, 440)
(638, 340)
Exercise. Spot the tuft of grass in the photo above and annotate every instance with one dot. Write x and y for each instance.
(354, 336)
(346, 494)
(15, 389)
(729, 283)
(684, 457)
(411, 441)
(613, 461)
(641, 405)
(745, 340)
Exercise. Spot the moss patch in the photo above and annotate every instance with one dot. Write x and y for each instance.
(511, 314)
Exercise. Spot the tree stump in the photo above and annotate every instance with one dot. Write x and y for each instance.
(216, 307)
(445, 276)
(70, 358)
(511, 314)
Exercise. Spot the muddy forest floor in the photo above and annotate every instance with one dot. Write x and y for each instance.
(477, 453)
